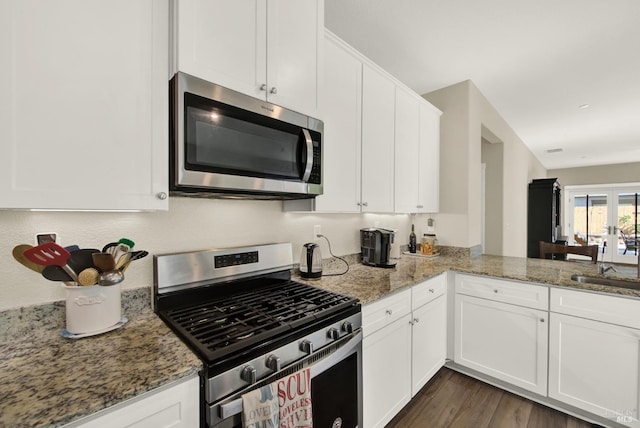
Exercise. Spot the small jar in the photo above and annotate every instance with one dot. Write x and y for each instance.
(429, 244)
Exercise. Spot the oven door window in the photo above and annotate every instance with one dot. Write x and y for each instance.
(334, 395)
(223, 139)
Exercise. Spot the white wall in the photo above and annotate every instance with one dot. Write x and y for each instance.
(190, 224)
(465, 112)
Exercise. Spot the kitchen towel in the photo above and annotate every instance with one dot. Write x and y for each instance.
(260, 408)
(294, 399)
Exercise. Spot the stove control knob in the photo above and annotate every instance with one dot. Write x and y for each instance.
(248, 374)
(347, 327)
(273, 363)
(306, 346)
(333, 333)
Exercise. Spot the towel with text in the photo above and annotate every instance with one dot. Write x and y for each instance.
(294, 400)
(260, 408)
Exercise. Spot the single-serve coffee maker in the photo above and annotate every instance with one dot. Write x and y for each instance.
(376, 244)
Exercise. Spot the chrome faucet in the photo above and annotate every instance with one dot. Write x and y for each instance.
(603, 268)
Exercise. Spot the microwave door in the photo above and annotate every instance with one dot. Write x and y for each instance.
(307, 154)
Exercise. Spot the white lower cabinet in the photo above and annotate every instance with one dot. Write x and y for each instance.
(386, 372)
(503, 340)
(594, 365)
(429, 330)
(174, 406)
(404, 345)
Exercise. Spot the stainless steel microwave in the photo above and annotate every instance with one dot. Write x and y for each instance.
(227, 144)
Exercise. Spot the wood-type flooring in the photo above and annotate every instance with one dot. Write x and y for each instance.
(454, 400)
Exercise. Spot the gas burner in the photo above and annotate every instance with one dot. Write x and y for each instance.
(245, 336)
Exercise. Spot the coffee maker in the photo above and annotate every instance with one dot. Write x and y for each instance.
(376, 244)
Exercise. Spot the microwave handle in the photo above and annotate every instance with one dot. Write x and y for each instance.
(309, 161)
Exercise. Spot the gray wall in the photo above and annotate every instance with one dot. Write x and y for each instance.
(466, 116)
(601, 174)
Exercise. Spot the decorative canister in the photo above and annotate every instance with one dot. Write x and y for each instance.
(93, 308)
(429, 244)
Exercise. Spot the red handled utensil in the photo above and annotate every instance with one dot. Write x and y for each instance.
(51, 254)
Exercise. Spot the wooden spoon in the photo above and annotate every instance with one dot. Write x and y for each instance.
(18, 254)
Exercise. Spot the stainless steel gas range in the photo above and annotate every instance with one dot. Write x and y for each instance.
(250, 324)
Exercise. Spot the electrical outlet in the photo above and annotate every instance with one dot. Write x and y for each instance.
(317, 231)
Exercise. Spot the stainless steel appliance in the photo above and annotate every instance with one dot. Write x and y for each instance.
(376, 244)
(311, 261)
(241, 313)
(227, 144)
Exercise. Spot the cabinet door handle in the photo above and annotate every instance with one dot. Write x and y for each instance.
(162, 196)
(495, 290)
(263, 87)
(419, 206)
(365, 204)
(389, 311)
(358, 204)
(274, 90)
(431, 290)
(416, 320)
(541, 319)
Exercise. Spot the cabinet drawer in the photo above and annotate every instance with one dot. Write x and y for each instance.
(427, 291)
(515, 293)
(615, 310)
(385, 311)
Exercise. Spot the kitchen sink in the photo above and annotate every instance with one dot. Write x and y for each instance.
(606, 281)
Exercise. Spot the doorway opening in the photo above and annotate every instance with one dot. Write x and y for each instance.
(492, 158)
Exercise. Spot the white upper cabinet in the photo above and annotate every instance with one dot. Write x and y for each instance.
(417, 154)
(429, 156)
(407, 151)
(381, 140)
(341, 107)
(357, 104)
(378, 112)
(268, 49)
(83, 105)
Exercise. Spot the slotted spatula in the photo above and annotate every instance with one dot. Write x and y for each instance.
(51, 254)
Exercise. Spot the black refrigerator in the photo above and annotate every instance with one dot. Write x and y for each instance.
(543, 214)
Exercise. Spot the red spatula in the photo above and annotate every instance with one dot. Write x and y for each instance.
(49, 254)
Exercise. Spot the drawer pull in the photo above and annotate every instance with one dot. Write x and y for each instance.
(541, 319)
(431, 290)
(495, 290)
(389, 311)
(416, 320)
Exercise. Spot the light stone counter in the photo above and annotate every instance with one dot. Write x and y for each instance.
(371, 283)
(47, 380)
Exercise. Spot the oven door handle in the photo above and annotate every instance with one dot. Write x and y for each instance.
(354, 344)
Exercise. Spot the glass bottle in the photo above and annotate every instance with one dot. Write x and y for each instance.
(412, 240)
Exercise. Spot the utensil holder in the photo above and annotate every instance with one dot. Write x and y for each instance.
(92, 308)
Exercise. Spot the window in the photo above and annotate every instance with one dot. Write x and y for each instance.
(606, 216)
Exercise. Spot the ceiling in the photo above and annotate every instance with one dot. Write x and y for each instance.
(536, 62)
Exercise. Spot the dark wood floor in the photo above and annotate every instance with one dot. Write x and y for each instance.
(454, 400)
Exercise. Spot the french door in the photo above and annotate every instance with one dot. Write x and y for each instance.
(606, 216)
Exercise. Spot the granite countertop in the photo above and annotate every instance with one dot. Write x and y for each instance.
(369, 283)
(48, 381)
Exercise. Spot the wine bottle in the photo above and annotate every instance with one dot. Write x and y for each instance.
(412, 240)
